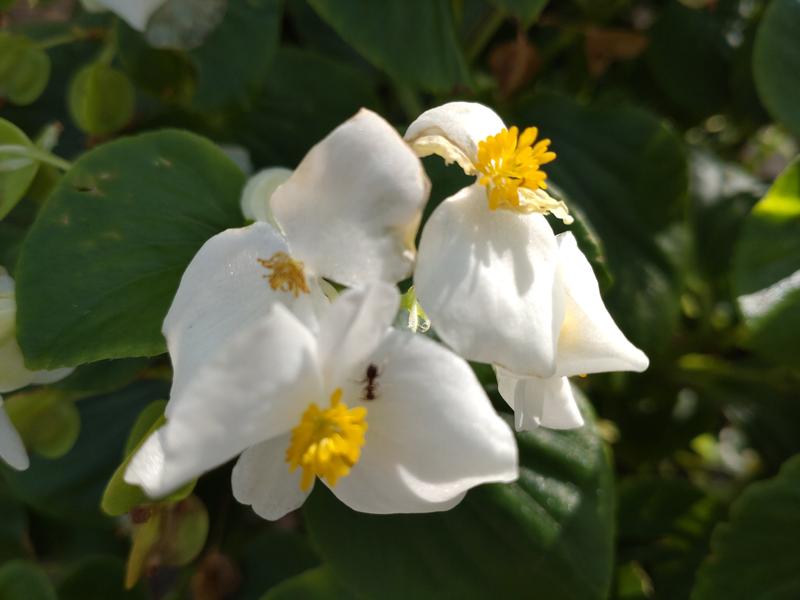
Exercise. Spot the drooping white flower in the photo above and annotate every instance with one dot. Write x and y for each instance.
(487, 261)
(13, 372)
(349, 212)
(389, 420)
(588, 342)
(135, 13)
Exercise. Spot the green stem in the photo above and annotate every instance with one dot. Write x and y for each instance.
(485, 33)
(36, 154)
(76, 34)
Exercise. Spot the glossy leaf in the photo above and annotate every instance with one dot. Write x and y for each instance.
(764, 523)
(114, 240)
(432, 61)
(552, 527)
(776, 61)
(16, 172)
(766, 270)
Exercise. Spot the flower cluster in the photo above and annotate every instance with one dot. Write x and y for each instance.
(281, 333)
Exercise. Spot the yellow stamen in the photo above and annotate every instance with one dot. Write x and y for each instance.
(327, 443)
(509, 166)
(287, 274)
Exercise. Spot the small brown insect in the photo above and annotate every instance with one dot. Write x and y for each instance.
(370, 381)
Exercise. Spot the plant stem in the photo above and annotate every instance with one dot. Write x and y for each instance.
(37, 154)
(76, 34)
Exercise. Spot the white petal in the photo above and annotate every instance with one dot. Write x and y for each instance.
(589, 341)
(453, 131)
(255, 388)
(258, 191)
(352, 208)
(12, 450)
(135, 13)
(547, 402)
(353, 326)
(261, 479)
(486, 280)
(432, 432)
(224, 291)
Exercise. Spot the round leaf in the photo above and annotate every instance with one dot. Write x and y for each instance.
(552, 530)
(757, 554)
(776, 61)
(114, 239)
(766, 270)
(23, 580)
(24, 69)
(101, 99)
(47, 420)
(16, 172)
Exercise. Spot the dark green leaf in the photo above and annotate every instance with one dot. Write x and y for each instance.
(22, 580)
(766, 270)
(627, 172)
(416, 43)
(114, 239)
(776, 62)
(757, 554)
(552, 530)
(315, 584)
(525, 10)
(98, 578)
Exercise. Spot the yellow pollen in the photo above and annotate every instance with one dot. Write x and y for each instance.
(509, 163)
(287, 273)
(327, 443)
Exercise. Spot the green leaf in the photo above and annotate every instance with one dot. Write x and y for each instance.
(121, 497)
(98, 578)
(416, 45)
(527, 11)
(101, 99)
(13, 527)
(24, 69)
(295, 108)
(776, 62)
(757, 554)
(71, 486)
(315, 584)
(16, 172)
(46, 419)
(114, 239)
(23, 580)
(766, 270)
(235, 58)
(627, 172)
(552, 529)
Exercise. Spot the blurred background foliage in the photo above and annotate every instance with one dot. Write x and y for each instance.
(675, 124)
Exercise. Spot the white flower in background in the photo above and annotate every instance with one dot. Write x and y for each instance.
(14, 374)
(487, 259)
(135, 13)
(349, 212)
(390, 421)
(588, 342)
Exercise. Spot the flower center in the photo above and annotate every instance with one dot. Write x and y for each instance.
(508, 163)
(327, 443)
(286, 273)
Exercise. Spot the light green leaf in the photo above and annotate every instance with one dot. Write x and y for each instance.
(23, 580)
(416, 43)
(766, 270)
(114, 239)
(46, 419)
(627, 173)
(552, 529)
(776, 62)
(101, 99)
(16, 172)
(315, 584)
(757, 554)
(24, 69)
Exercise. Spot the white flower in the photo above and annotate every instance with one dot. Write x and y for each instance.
(487, 260)
(588, 342)
(257, 193)
(389, 420)
(135, 13)
(349, 212)
(13, 372)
